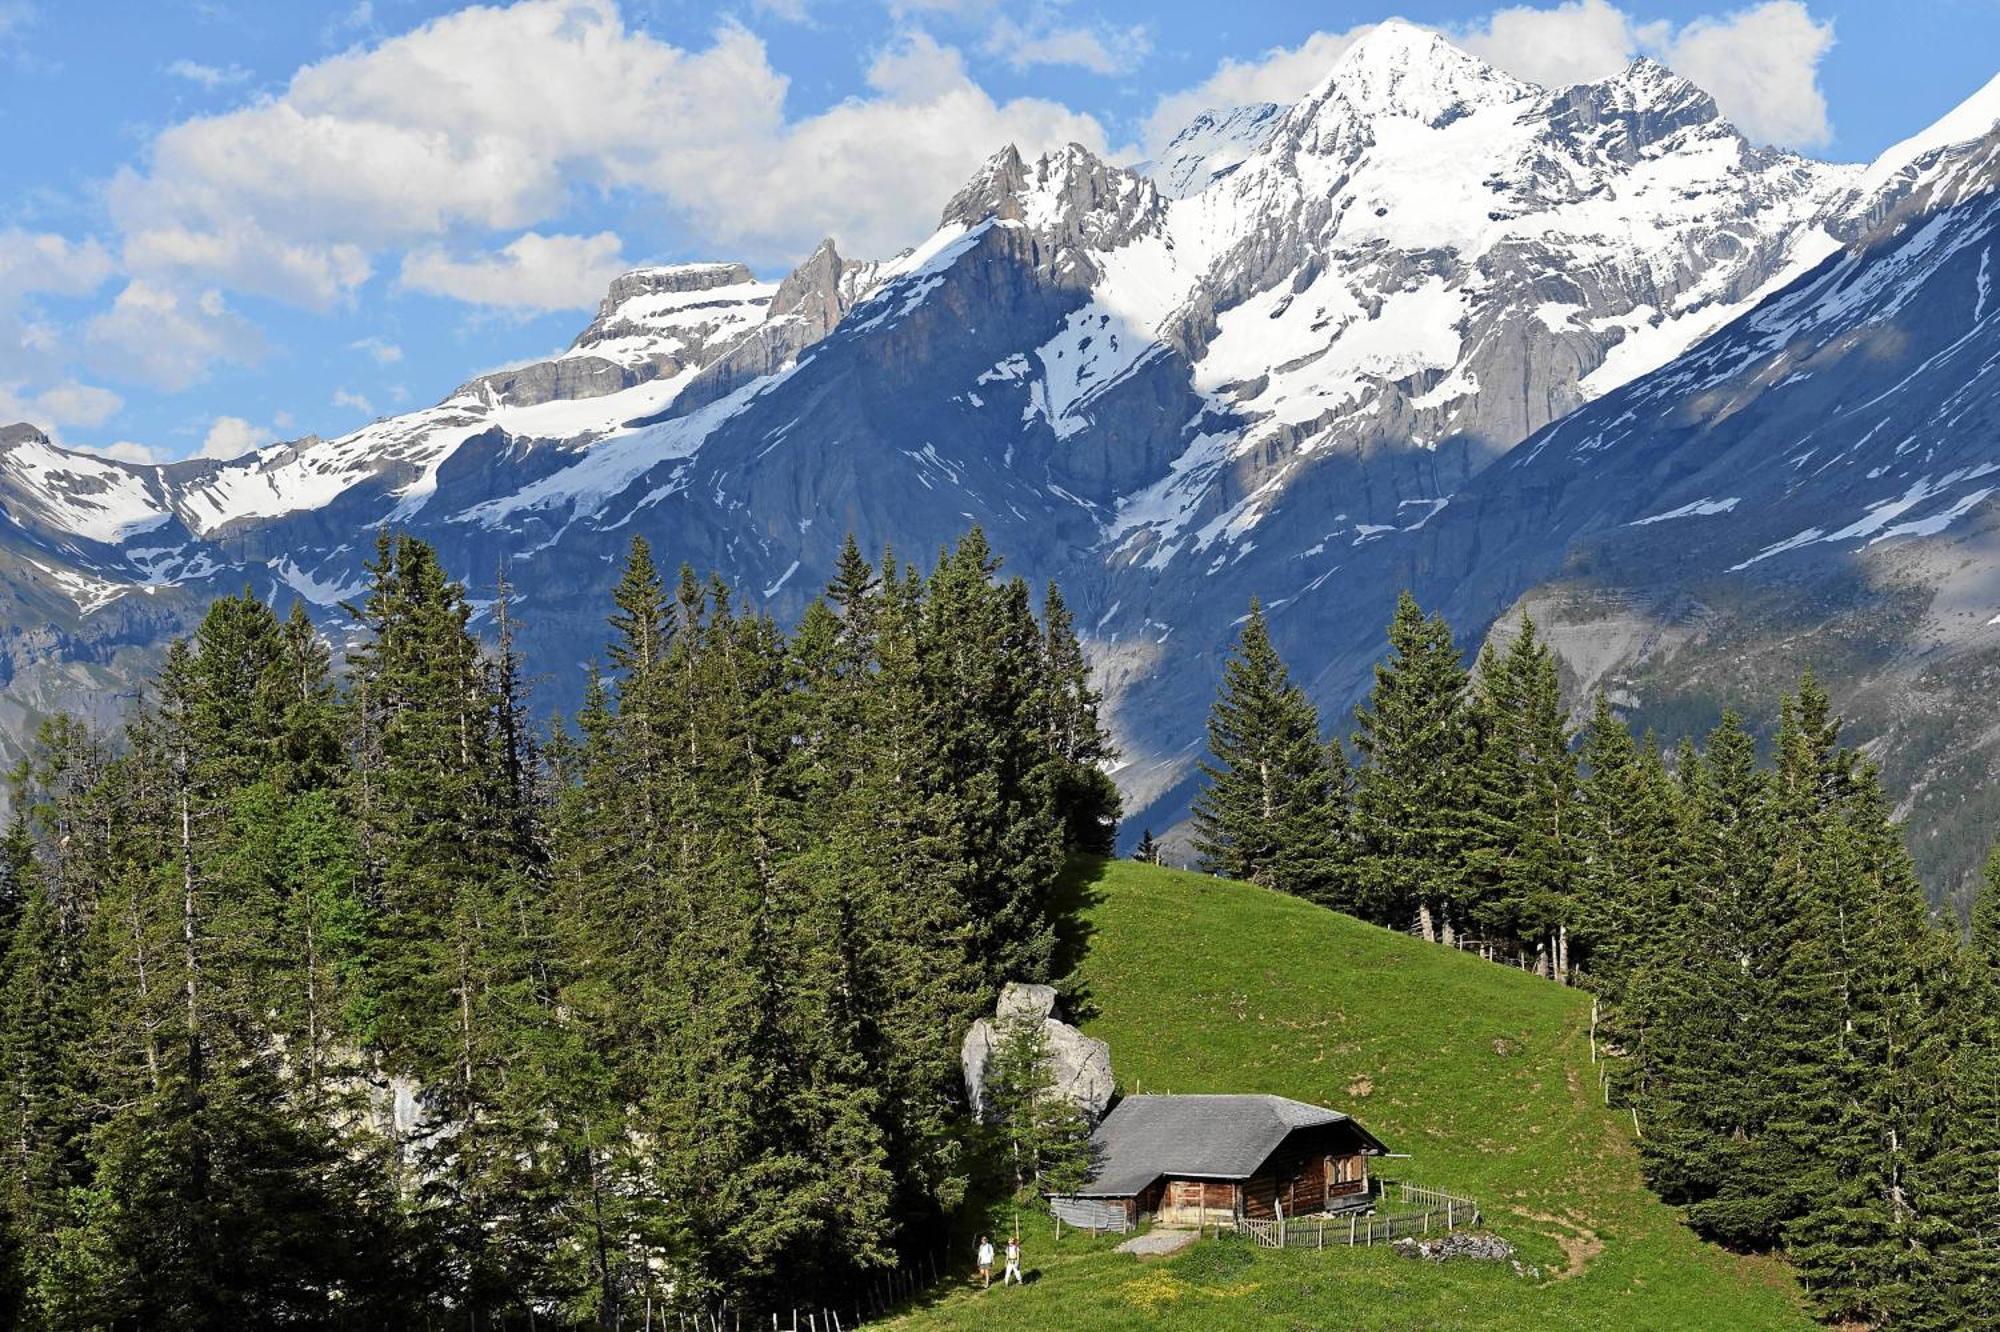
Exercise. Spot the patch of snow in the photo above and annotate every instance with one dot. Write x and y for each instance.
(1700, 508)
(316, 590)
(612, 464)
(90, 497)
(783, 578)
(1973, 118)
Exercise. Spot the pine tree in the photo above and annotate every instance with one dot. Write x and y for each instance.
(1045, 1137)
(1272, 811)
(978, 660)
(1086, 798)
(1956, 1186)
(1411, 808)
(1148, 850)
(1693, 1015)
(1628, 835)
(1522, 857)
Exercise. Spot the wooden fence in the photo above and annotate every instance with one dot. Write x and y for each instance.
(1439, 1212)
(883, 1295)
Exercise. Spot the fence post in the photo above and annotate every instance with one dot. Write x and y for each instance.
(1447, 1214)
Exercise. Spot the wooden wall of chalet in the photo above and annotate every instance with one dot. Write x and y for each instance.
(1190, 1202)
(1296, 1173)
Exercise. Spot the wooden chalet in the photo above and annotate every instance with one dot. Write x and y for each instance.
(1192, 1160)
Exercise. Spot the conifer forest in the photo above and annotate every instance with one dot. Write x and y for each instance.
(348, 999)
(344, 993)
(1809, 1057)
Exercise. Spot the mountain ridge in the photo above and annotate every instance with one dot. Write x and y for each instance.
(1168, 398)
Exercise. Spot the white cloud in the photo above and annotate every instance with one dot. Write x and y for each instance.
(69, 403)
(163, 336)
(209, 77)
(124, 450)
(353, 401)
(1282, 74)
(232, 437)
(1762, 67)
(73, 404)
(240, 253)
(379, 350)
(1043, 41)
(1761, 64)
(498, 119)
(534, 273)
(873, 172)
(43, 262)
(1580, 41)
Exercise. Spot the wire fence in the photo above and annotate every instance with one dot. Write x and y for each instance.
(1432, 1212)
(883, 1294)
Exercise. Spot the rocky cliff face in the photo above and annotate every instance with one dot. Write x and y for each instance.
(1288, 374)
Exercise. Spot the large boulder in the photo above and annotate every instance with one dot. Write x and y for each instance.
(1026, 1003)
(1079, 1065)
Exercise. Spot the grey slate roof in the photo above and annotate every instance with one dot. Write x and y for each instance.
(1197, 1137)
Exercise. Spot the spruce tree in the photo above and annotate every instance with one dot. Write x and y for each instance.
(1628, 833)
(1148, 850)
(1412, 820)
(1079, 749)
(1522, 858)
(1271, 812)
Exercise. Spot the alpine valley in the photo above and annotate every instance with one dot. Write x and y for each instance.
(1707, 410)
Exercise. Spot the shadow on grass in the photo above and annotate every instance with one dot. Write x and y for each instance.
(1076, 891)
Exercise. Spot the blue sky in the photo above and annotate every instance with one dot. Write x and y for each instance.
(239, 220)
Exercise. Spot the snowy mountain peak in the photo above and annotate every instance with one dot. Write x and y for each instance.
(1214, 144)
(999, 180)
(1644, 104)
(69, 495)
(1967, 123)
(1399, 69)
(1648, 88)
(18, 434)
(1068, 197)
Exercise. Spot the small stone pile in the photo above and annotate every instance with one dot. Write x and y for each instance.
(1458, 1244)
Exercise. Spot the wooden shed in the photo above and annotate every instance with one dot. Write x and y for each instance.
(1188, 1159)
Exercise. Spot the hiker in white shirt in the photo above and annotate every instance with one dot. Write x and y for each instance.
(985, 1262)
(1013, 1272)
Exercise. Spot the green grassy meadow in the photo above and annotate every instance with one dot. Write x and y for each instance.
(1481, 1074)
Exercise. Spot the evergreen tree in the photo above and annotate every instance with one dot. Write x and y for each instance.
(1693, 1017)
(1412, 817)
(1085, 796)
(1522, 857)
(1628, 837)
(1956, 1187)
(978, 657)
(1046, 1138)
(1272, 812)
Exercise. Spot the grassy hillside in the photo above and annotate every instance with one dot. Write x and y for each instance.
(1481, 1074)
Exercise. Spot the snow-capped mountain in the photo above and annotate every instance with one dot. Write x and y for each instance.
(1286, 352)
(1214, 144)
(1815, 484)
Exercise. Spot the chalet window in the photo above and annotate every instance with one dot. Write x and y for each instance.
(1346, 1169)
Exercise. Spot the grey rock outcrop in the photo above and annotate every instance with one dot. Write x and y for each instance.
(1079, 1065)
